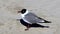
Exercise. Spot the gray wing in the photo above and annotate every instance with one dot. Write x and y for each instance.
(32, 18)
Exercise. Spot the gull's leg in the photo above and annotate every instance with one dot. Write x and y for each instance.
(27, 28)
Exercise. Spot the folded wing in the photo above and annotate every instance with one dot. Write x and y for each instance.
(32, 18)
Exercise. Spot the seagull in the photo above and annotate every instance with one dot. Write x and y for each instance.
(29, 19)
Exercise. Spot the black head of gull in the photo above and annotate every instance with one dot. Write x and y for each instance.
(23, 11)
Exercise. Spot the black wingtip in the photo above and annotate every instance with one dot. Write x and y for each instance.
(47, 21)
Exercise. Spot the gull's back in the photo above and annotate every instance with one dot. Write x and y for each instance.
(32, 18)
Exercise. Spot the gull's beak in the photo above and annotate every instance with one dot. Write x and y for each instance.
(19, 11)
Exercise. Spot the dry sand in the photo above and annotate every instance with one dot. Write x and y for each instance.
(47, 9)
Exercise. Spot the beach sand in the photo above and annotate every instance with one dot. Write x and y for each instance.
(47, 9)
